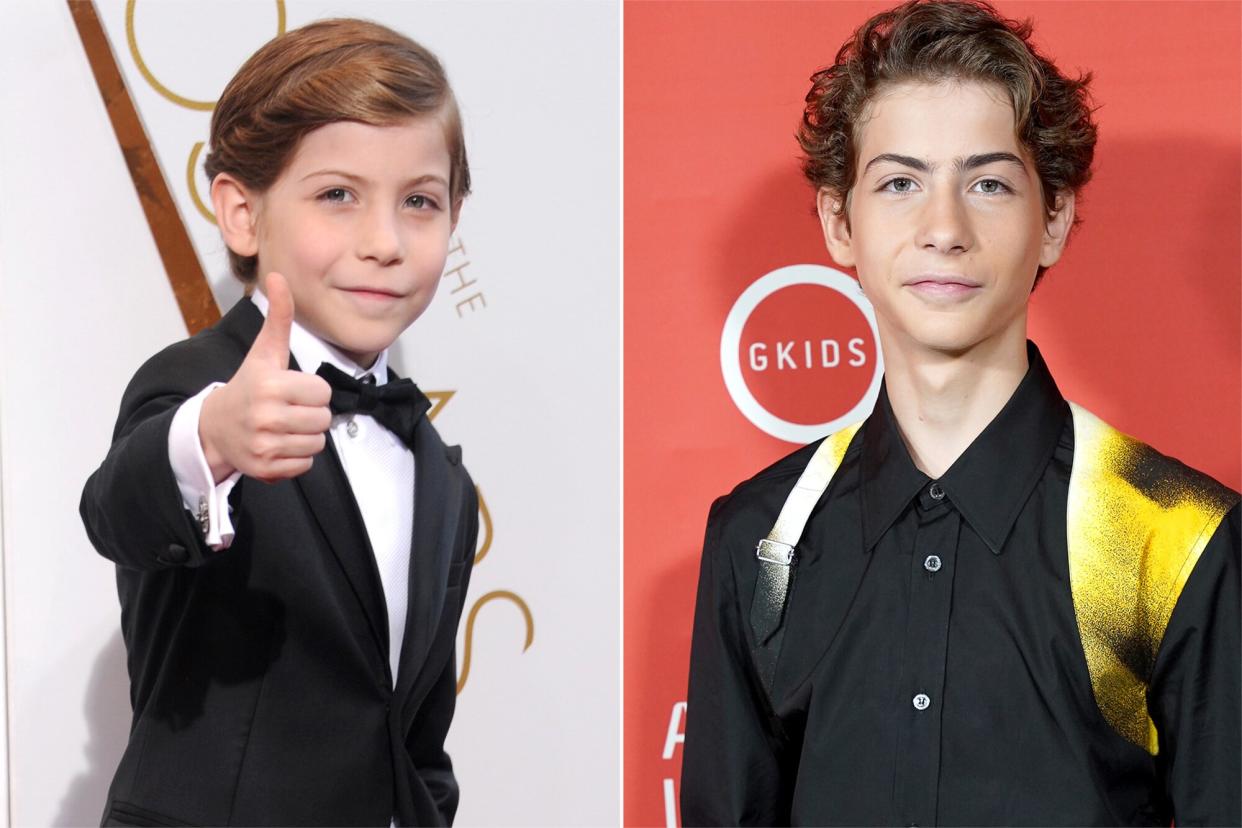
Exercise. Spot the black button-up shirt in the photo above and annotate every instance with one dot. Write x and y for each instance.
(932, 670)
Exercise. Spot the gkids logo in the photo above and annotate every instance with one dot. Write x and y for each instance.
(799, 353)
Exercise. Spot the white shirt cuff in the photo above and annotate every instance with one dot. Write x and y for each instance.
(207, 501)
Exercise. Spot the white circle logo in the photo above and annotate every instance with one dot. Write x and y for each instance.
(800, 353)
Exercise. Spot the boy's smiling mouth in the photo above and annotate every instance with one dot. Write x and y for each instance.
(373, 293)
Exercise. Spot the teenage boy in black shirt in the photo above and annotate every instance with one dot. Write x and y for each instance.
(984, 605)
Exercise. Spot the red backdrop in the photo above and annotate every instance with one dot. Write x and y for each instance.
(1140, 322)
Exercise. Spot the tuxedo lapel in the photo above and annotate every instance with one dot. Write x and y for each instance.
(328, 498)
(331, 504)
(437, 505)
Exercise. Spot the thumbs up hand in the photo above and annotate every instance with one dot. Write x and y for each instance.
(267, 422)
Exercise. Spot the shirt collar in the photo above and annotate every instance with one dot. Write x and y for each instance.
(990, 482)
(309, 350)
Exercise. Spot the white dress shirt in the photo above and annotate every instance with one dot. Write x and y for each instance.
(378, 465)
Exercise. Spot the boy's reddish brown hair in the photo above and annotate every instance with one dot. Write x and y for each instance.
(327, 71)
(935, 40)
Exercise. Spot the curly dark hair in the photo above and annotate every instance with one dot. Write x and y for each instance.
(934, 40)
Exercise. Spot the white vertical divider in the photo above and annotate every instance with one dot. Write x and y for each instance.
(4, 624)
(6, 25)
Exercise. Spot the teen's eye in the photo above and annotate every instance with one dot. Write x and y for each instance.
(422, 202)
(991, 186)
(901, 184)
(336, 195)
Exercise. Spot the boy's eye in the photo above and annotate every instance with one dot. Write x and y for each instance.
(899, 185)
(991, 186)
(421, 202)
(336, 195)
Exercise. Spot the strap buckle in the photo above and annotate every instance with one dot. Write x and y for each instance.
(775, 552)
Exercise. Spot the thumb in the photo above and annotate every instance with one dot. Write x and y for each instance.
(272, 344)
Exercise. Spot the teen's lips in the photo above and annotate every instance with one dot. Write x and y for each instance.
(943, 286)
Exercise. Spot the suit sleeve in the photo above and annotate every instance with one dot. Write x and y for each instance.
(425, 742)
(732, 770)
(131, 505)
(1195, 689)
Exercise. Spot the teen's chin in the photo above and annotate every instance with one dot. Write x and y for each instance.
(946, 332)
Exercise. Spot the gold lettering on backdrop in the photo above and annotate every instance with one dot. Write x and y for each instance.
(485, 524)
(190, 170)
(181, 264)
(439, 399)
(496, 595)
(464, 291)
(136, 54)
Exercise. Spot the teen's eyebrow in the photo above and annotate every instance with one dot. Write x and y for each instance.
(358, 179)
(962, 164)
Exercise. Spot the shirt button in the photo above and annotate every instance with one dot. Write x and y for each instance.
(936, 492)
(932, 564)
(351, 428)
(922, 701)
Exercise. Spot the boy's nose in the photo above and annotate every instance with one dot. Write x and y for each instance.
(944, 224)
(380, 240)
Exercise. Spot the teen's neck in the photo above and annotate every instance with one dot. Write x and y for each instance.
(942, 401)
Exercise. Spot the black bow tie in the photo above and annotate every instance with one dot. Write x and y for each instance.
(397, 405)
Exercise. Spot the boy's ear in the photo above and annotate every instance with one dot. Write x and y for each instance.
(1057, 229)
(236, 214)
(836, 223)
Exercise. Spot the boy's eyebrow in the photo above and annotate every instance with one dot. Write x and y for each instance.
(962, 164)
(418, 179)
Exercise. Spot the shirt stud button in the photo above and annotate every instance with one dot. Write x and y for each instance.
(922, 701)
(932, 563)
(936, 492)
(351, 428)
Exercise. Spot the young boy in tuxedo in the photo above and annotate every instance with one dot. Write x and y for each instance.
(982, 605)
(293, 540)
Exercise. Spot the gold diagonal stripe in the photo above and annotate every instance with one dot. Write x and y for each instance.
(181, 264)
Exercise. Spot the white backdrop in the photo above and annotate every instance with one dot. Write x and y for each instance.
(533, 360)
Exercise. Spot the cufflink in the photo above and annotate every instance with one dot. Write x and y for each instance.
(204, 516)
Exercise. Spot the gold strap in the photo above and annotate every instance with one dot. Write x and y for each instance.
(1137, 523)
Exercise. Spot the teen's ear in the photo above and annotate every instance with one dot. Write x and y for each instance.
(836, 223)
(236, 214)
(1056, 229)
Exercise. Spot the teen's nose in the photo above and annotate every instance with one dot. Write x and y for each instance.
(944, 224)
(380, 239)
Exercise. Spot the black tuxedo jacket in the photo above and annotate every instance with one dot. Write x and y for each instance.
(259, 674)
